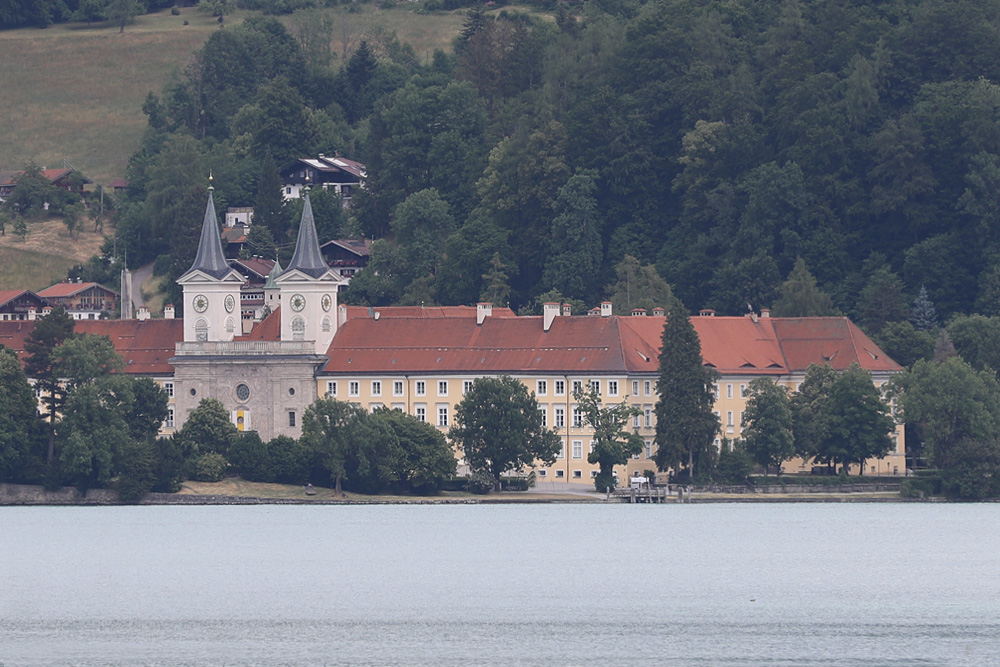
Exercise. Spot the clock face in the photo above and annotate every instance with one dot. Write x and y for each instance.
(200, 303)
(298, 302)
(327, 302)
(230, 303)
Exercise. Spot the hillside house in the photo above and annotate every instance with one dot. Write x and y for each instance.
(347, 256)
(338, 174)
(20, 304)
(83, 301)
(60, 178)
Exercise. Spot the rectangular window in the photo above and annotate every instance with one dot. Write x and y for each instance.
(542, 388)
(635, 387)
(612, 387)
(716, 387)
(399, 406)
(578, 449)
(466, 387)
(649, 449)
(647, 388)
(442, 415)
(353, 388)
(577, 474)
(291, 418)
(577, 417)
(729, 391)
(648, 416)
(729, 421)
(169, 387)
(743, 391)
(169, 423)
(560, 474)
(741, 417)
(595, 386)
(560, 388)
(560, 416)
(372, 407)
(542, 473)
(397, 388)
(421, 413)
(577, 386)
(421, 388)
(593, 474)
(376, 387)
(543, 410)
(442, 387)
(636, 421)
(562, 450)
(331, 388)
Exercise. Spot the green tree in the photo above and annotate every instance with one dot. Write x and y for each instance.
(807, 408)
(499, 428)
(612, 443)
(881, 300)
(638, 286)
(268, 210)
(327, 431)
(496, 285)
(32, 191)
(136, 470)
(685, 422)
(855, 422)
(123, 12)
(20, 426)
(977, 340)
(799, 296)
(82, 359)
(259, 242)
(20, 227)
(573, 265)
(207, 429)
(924, 315)
(427, 460)
(419, 224)
(735, 464)
(49, 332)
(950, 403)
(94, 431)
(905, 344)
(767, 424)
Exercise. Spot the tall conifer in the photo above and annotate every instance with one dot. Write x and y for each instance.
(685, 422)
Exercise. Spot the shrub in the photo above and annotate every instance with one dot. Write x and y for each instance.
(915, 487)
(174, 11)
(210, 467)
(480, 483)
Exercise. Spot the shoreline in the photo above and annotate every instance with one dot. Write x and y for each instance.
(15, 495)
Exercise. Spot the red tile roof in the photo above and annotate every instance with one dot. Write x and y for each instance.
(262, 267)
(65, 289)
(267, 329)
(393, 312)
(573, 345)
(144, 345)
(831, 340)
(8, 295)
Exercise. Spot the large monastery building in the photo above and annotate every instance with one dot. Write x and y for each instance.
(423, 360)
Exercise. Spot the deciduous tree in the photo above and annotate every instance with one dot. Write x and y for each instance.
(767, 424)
(499, 428)
(611, 443)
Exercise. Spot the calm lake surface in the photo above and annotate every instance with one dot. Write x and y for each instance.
(739, 584)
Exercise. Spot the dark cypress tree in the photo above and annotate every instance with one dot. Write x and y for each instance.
(685, 422)
(268, 207)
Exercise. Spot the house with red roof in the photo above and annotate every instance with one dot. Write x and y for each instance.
(20, 304)
(60, 178)
(82, 300)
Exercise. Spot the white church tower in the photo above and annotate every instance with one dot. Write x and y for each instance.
(308, 289)
(211, 288)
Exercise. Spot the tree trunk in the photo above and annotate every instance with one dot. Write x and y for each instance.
(691, 463)
(52, 433)
(337, 488)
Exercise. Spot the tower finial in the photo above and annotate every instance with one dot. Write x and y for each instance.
(211, 188)
(306, 188)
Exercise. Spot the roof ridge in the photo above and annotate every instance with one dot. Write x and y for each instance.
(210, 258)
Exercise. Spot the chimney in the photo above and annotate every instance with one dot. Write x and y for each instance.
(594, 312)
(706, 312)
(483, 310)
(46, 311)
(32, 314)
(605, 309)
(168, 311)
(550, 311)
(753, 316)
(567, 309)
(341, 315)
(638, 312)
(143, 314)
(765, 312)
(321, 156)
(658, 312)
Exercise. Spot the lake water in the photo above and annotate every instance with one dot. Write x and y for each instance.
(730, 584)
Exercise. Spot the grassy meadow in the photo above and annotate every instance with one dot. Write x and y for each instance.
(45, 255)
(76, 92)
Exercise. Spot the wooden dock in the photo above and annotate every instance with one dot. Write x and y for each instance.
(649, 494)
